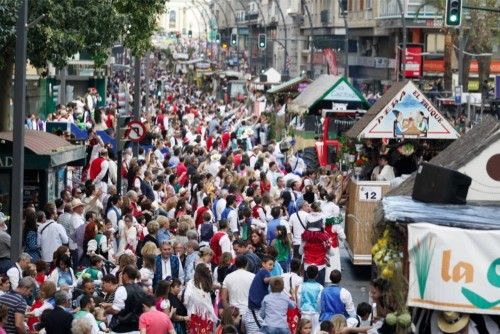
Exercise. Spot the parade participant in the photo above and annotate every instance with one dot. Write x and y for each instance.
(99, 171)
(336, 299)
(220, 242)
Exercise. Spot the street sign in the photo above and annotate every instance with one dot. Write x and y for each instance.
(136, 131)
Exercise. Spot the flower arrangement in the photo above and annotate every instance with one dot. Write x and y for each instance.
(362, 161)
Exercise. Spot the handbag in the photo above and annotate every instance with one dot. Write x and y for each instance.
(293, 314)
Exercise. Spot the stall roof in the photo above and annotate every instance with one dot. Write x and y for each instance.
(50, 150)
(326, 87)
(403, 112)
(478, 216)
(288, 84)
(460, 152)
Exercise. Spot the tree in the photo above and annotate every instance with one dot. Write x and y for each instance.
(479, 34)
(71, 26)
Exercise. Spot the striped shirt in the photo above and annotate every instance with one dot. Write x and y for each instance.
(16, 304)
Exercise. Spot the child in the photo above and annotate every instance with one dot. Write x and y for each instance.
(221, 271)
(94, 272)
(304, 327)
(162, 301)
(275, 307)
(277, 270)
(41, 268)
(259, 288)
(192, 259)
(180, 316)
(293, 279)
(326, 327)
(362, 319)
(309, 297)
(282, 245)
(147, 272)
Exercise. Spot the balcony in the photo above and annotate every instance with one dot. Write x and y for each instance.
(251, 16)
(325, 16)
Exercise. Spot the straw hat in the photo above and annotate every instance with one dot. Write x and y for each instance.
(215, 157)
(76, 203)
(452, 322)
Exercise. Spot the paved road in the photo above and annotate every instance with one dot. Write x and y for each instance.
(356, 279)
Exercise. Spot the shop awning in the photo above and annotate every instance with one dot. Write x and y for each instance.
(285, 86)
(403, 112)
(326, 88)
(43, 150)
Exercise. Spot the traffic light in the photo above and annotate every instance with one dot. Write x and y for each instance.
(343, 6)
(190, 33)
(453, 16)
(234, 39)
(262, 41)
(217, 38)
(172, 34)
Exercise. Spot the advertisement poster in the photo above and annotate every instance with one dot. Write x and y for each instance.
(409, 114)
(445, 275)
(413, 61)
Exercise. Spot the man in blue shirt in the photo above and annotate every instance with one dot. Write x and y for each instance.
(273, 224)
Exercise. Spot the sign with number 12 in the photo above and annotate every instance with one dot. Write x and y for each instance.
(370, 193)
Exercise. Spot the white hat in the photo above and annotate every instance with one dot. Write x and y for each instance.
(215, 157)
(76, 203)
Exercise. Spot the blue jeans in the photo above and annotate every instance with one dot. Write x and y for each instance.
(274, 330)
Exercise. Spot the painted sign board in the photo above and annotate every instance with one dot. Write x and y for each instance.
(445, 275)
(342, 92)
(409, 114)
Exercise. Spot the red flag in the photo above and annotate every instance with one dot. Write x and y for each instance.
(331, 59)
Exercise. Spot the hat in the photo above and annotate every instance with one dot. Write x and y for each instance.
(452, 322)
(76, 203)
(182, 191)
(215, 157)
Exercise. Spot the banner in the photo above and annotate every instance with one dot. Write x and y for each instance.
(331, 59)
(413, 61)
(409, 114)
(453, 269)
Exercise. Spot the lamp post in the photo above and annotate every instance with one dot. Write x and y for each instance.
(342, 6)
(18, 132)
(403, 49)
(285, 75)
(311, 70)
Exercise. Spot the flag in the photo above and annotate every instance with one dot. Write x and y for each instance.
(331, 59)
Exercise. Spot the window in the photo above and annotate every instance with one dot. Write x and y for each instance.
(435, 43)
(172, 19)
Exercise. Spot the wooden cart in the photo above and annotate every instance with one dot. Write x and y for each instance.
(364, 197)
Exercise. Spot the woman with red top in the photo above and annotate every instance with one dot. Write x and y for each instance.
(265, 185)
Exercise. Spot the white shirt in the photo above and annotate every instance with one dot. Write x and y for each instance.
(295, 279)
(112, 216)
(76, 221)
(329, 209)
(166, 269)
(51, 238)
(15, 274)
(346, 299)
(219, 207)
(232, 218)
(296, 226)
(91, 319)
(225, 244)
(238, 285)
(384, 174)
(120, 297)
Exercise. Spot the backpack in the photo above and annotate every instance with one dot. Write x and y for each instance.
(206, 232)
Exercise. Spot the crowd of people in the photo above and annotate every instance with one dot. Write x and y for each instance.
(215, 231)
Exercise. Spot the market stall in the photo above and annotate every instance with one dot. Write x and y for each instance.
(288, 90)
(325, 109)
(402, 115)
(445, 257)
